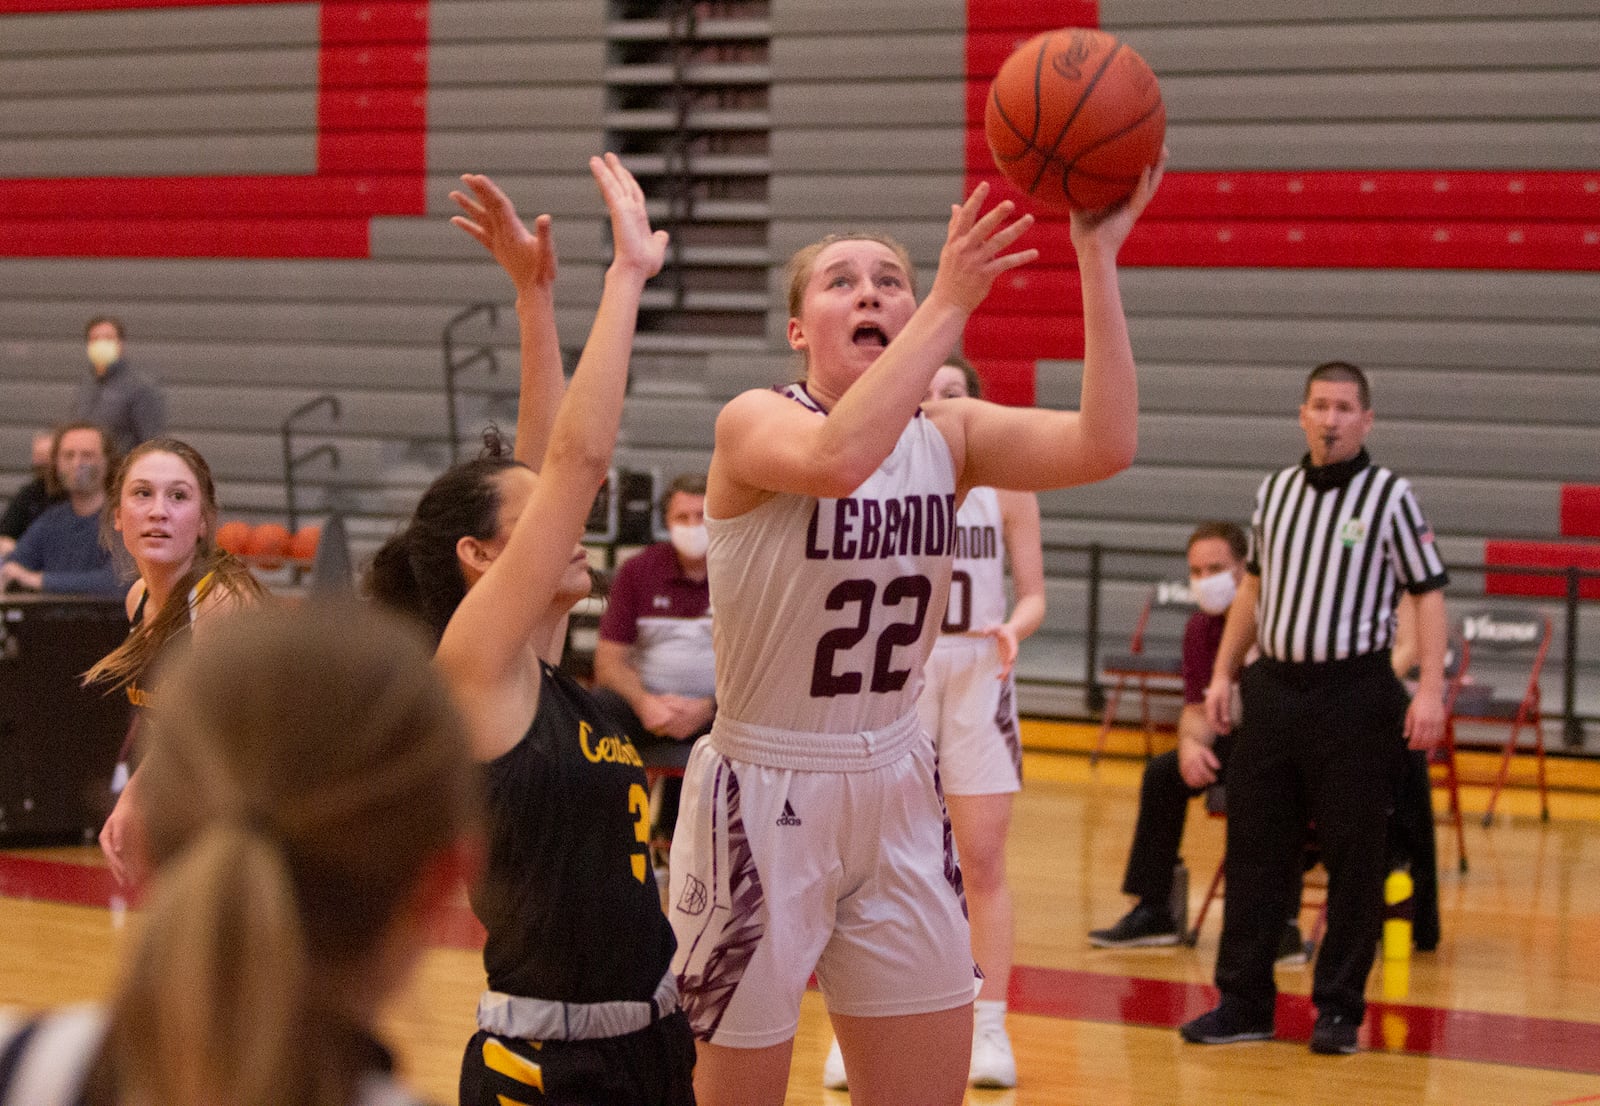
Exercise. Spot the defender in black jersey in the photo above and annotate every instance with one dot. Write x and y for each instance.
(581, 1006)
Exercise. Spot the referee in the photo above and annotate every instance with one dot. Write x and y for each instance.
(1325, 723)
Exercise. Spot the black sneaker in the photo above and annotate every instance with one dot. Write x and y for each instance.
(1142, 927)
(1293, 950)
(1335, 1035)
(1226, 1025)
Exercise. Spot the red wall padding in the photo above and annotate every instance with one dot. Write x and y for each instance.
(1580, 511)
(1543, 554)
(372, 131)
(1512, 220)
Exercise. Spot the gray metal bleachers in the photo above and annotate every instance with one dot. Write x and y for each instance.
(1485, 381)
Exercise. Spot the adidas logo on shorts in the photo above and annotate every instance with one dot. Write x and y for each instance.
(788, 818)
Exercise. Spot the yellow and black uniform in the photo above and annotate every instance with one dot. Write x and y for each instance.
(581, 1005)
(140, 696)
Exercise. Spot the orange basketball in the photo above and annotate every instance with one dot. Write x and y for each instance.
(1074, 117)
(303, 546)
(269, 544)
(234, 537)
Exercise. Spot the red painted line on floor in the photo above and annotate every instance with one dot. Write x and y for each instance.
(57, 881)
(1509, 1039)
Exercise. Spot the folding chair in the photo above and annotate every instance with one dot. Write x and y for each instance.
(1151, 671)
(1508, 638)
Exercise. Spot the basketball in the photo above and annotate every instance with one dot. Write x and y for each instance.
(1073, 119)
(269, 545)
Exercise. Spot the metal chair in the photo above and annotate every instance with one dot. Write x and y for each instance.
(1151, 671)
(1512, 638)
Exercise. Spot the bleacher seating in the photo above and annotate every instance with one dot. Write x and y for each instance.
(1419, 197)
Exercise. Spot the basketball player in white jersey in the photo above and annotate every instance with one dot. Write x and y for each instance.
(812, 832)
(968, 706)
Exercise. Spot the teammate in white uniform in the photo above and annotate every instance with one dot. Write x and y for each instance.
(968, 704)
(811, 832)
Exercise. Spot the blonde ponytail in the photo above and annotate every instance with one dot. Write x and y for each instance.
(219, 985)
(303, 767)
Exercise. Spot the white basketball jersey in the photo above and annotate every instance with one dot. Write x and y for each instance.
(826, 609)
(978, 582)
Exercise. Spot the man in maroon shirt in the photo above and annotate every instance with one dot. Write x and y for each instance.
(654, 670)
(1216, 555)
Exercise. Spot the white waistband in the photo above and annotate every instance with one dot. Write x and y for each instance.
(808, 751)
(537, 1019)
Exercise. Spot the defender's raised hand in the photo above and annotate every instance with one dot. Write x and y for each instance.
(635, 246)
(528, 258)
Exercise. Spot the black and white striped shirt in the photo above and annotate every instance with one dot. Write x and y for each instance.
(1332, 551)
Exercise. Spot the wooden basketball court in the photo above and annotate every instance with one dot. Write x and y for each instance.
(1506, 1011)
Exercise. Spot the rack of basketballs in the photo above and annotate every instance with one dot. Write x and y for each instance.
(270, 545)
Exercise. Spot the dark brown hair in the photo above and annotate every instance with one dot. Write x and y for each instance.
(98, 319)
(1345, 373)
(53, 481)
(416, 572)
(1230, 532)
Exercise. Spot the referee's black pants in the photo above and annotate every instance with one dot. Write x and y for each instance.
(1322, 744)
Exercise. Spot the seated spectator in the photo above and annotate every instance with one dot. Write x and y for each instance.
(33, 497)
(311, 808)
(1216, 556)
(61, 552)
(653, 667)
(126, 403)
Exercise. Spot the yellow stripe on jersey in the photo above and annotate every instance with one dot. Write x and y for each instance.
(504, 1101)
(497, 1057)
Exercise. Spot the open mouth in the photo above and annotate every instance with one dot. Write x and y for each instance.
(870, 335)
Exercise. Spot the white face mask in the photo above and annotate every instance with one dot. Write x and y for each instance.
(103, 351)
(690, 541)
(1214, 594)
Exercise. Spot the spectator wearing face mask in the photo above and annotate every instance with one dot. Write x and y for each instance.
(62, 552)
(128, 405)
(32, 498)
(1216, 555)
(653, 666)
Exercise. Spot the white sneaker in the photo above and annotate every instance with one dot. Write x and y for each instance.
(993, 1065)
(833, 1069)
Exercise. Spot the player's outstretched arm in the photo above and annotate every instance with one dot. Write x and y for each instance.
(484, 648)
(529, 259)
(1033, 449)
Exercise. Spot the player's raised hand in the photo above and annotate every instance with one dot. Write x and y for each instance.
(1108, 229)
(528, 258)
(635, 246)
(975, 248)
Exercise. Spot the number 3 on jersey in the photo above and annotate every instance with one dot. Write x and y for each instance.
(863, 594)
(639, 807)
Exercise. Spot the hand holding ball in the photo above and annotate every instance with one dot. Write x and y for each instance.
(1074, 118)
